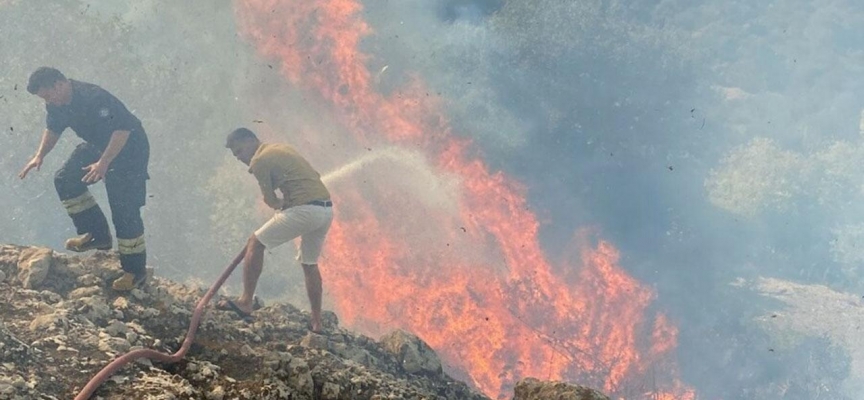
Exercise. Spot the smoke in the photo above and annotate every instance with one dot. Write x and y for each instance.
(706, 140)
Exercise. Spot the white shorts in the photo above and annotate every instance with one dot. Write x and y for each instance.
(308, 222)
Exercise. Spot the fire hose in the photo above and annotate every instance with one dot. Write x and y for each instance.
(119, 362)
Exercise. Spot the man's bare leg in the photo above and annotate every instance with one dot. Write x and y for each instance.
(253, 263)
(313, 289)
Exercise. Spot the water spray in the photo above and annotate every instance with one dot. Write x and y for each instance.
(395, 154)
(432, 189)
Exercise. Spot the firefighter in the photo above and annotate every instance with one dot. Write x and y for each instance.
(304, 210)
(115, 150)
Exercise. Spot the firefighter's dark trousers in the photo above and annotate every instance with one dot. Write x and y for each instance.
(126, 185)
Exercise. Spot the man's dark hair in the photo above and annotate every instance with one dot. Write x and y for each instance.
(44, 77)
(240, 134)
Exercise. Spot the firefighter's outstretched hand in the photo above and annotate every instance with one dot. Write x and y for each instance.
(95, 172)
(35, 162)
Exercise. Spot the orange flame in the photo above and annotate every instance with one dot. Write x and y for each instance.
(465, 272)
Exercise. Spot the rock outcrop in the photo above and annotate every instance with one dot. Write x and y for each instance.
(533, 389)
(412, 354)
(60, 323)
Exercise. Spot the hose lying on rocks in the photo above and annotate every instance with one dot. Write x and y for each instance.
(119, 362)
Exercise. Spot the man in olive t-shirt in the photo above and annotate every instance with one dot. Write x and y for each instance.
(304, 210)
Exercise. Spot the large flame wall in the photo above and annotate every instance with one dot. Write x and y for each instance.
(428, 239)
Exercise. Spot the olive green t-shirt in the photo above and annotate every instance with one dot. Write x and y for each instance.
(279, 166)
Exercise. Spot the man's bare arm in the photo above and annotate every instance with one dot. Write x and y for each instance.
(262, 174)
(98, 170)
(49, 140)
(118, 140)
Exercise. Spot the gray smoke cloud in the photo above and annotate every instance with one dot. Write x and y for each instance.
(709, 141)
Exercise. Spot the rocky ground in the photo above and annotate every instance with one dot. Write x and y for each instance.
(61, 323)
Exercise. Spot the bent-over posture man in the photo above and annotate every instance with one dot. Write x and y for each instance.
(304, 211)
(115, 150)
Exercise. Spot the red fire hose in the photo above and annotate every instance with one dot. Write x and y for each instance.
(119, 362)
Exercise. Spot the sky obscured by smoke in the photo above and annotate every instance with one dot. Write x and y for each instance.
(708, 140)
